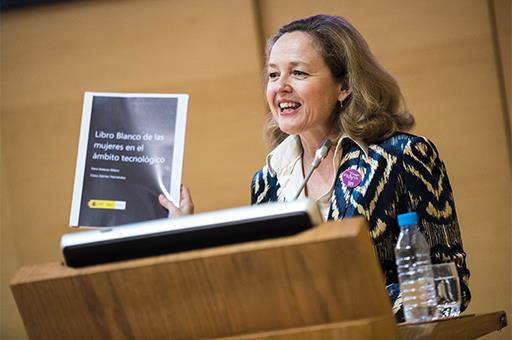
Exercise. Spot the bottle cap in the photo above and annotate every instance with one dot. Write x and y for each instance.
(407, 218)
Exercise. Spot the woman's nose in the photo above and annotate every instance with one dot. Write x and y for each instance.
(284, 85)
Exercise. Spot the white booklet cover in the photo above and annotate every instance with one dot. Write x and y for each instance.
(130, 150)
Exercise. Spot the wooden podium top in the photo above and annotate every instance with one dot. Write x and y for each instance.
(323, 275)
(321, 284)
(469, 326)
(463, 327)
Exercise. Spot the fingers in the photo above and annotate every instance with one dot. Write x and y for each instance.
(167, 204)
(186, 203)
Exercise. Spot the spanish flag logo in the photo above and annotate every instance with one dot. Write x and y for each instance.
(106, 204)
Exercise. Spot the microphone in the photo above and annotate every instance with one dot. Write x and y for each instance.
(320, 154)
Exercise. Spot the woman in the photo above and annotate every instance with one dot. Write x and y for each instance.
(323, 82)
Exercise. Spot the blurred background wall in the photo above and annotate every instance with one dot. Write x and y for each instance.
(452, 59)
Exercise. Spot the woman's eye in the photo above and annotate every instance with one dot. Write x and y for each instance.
(273, 75)
(299, 73)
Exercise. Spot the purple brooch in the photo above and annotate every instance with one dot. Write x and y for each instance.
(351, 178)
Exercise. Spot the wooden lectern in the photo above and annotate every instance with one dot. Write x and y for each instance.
(328, 274)
(325, 283)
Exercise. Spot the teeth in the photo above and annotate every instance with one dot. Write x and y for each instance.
(288, 105)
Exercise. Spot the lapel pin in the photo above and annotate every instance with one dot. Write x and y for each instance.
(351, 178)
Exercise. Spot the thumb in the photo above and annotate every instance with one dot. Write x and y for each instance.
(167, 204)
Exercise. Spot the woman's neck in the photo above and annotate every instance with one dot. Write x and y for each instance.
(321, 178)
(310, 145)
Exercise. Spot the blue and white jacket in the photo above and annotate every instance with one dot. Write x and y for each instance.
(400, 174)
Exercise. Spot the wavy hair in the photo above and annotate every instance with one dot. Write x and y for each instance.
(375, 109)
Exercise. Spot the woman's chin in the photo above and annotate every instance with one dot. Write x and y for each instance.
(289, 130)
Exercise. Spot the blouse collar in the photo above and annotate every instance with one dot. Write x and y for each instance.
(285, 156)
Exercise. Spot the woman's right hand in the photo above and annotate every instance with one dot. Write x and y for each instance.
(186, 204)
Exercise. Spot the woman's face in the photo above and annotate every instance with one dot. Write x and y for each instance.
(301, 91)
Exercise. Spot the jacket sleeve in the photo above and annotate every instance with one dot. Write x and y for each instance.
(264, 187)
(426, 190)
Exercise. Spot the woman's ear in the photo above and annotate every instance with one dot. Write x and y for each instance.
(344, 93)
(344, 90)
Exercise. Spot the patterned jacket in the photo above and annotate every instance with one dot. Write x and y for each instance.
(401, 174)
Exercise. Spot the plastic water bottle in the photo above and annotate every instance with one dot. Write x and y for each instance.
(415, 271)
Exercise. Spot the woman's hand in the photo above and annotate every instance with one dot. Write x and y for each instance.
(186, 206)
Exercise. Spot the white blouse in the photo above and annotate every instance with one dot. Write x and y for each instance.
(285, 161)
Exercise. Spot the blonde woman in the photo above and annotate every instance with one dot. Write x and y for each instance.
(322, 82)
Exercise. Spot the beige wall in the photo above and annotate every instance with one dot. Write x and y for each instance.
(502, 10)
(440, 51)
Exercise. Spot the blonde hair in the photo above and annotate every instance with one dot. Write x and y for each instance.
(375, 109)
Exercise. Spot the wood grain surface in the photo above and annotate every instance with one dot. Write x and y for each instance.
(326, 276)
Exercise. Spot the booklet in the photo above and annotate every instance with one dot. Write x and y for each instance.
(130, 151)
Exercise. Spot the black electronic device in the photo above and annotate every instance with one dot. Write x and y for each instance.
(198, 231)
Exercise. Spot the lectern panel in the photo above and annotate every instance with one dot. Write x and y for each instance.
(327, 274)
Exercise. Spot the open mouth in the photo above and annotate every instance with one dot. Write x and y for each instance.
(288, 107)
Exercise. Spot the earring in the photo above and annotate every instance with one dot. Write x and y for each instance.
(340, 103)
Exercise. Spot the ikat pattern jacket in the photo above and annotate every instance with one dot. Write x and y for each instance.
(401, 174)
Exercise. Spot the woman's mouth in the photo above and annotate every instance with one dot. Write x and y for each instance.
(286, 108)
